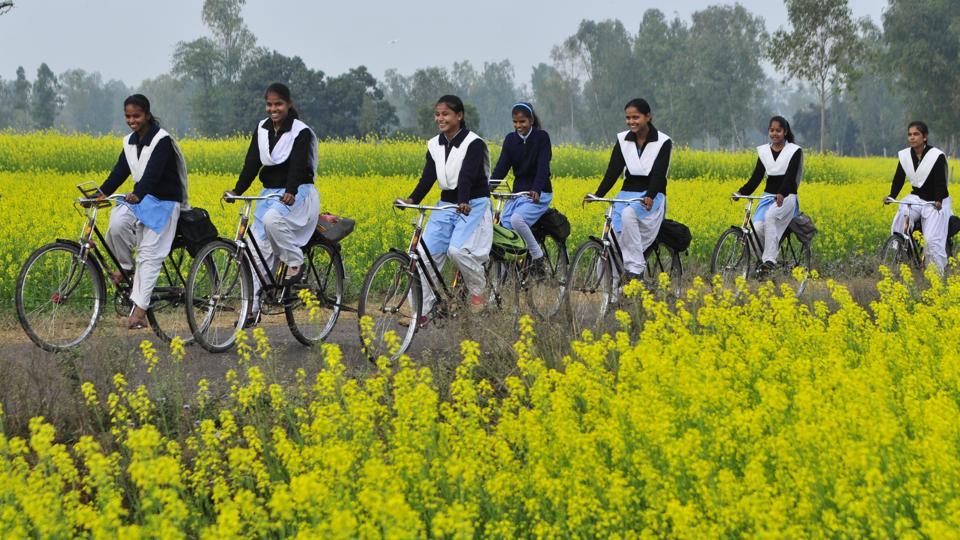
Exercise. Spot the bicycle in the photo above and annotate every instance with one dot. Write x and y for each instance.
(544, 294)
(598, 261)
(61, 289)
(392, 292)
(900, 247)
(738, 251)
(220, 287)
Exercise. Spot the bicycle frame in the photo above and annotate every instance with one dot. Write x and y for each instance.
(914, 250)
(416, 261)
(244, 245)
(91, 207)
(611, 246)
(754, 243)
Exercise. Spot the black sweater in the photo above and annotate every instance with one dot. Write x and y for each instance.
(653, 183)
(472, 182)
(290, 174)
(934, 189)
(160, 177)
(783, 184)
(530, 160)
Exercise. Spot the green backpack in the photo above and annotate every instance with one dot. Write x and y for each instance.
(507, 245)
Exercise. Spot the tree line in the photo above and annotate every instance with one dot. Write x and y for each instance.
(848, 85)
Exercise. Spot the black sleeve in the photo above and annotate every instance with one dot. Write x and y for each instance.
(251, 166)
(153, 172)
(789, 184)
(938, 175)
(544, 155)
(503, 163)
(120, 172)
(299, 160)
(472, 170)
(898, 179)
(758, 173)
(427, 178)
(614, 171)
(658, 174)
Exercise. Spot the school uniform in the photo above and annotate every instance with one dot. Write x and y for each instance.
(529, 157)
(160, 182)
(784, 172)
(928, 178)
(286, 161)
(461, 166)
(645, 171)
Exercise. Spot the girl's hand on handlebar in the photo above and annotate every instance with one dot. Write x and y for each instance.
(132, 198)
(938, 205)
(647, 203)
(228, 193)
(464, 208)
(735, 196)
(779, 200)
(534, 196)
(288, 198)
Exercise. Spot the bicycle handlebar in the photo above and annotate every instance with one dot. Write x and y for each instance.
(510, 196)
(275, 196)
(92, 200)
(737, 196)
(891, 200)
(591, 198)
(399, 203)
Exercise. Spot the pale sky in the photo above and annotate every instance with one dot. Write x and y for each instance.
(132, 41)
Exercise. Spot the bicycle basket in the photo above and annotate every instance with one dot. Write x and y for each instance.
(675, 235)
(803, 227)
(194, 230)
(332, 229)
(507, 245)
(553, 224)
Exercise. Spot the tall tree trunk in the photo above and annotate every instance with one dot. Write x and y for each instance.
(823, 119)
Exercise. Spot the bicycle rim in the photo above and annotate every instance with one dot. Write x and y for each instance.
(588, 286)
(391, 299)
(219, 293)
(545, 296)
(313, 304)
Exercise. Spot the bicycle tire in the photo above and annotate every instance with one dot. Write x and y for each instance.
(311, 325)
(227, 290)
(589, 286)
(392, 297)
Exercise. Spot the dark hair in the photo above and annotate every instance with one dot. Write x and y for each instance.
(921, 126)
(788, 135)
(639, 104)
(283, 93)
(455, 104)
(526, 109)
(141, 101)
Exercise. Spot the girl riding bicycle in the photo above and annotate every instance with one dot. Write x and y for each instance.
(642, 156)
(782, 163)
(147, 218)
(283, 150)
(926, 168)
(457, 159)
(528, 152)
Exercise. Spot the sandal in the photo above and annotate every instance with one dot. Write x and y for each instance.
(292, 277)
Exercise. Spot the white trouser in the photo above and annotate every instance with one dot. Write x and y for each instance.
(636, 235)
(934, 224)
(773, 225)
(285, 230)
(126, 232)
(468, 250)
(519, 224)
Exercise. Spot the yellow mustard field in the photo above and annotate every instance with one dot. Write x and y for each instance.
(722, 416)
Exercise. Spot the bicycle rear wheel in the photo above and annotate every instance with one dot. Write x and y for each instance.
(219, 295)
(795, 254)
(59, 297)
(312, 319)
(589, 286)
(503, 279)
(392, 297)
(545, 295)
(167, 313)
(731, 256)
(663, 259)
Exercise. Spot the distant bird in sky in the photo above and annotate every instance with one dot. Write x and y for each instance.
(393, 42)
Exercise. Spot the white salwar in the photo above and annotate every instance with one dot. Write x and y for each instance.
(637, 228)
(935, 223)
(126, 232)
(770, 220)
(282, 230)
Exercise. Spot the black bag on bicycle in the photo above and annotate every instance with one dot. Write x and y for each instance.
(332, 229)
(675, 235)
(953, 226)
(553, 224)
(194, 230)
(802, 226)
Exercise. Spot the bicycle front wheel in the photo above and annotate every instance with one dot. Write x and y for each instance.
(167, 315)
(894, 252)
(59, 297)
(589, 286)
(313, 304)
(731, 256)
(545, 295)
(219, 295)
(391, 297)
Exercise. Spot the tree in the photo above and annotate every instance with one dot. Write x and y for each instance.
(555, 98)
(821, 48)
(307, 87)
(663, 60)
(21, 91)
(45, 100)
(923, 39)
(357, 106)
(170, 98)
(89, 104)
(724, 49)
(875, 106)
(5, 6)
